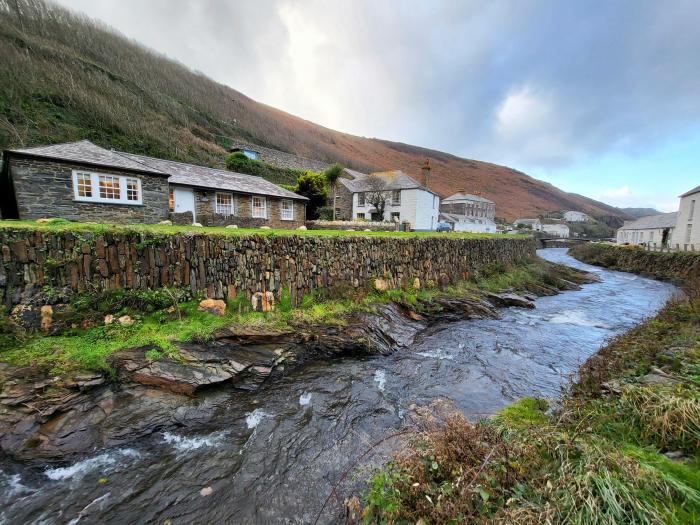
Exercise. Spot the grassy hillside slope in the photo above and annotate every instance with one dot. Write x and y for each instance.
(65, 77)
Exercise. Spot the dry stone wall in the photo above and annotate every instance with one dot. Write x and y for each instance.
(38, 266)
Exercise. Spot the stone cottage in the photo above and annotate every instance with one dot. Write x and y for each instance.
(81, 181)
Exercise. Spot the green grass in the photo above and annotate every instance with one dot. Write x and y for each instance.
(156, 229)
(597, 459)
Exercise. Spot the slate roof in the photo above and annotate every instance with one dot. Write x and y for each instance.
(212, 178)
(394, 180)
(527, 221)
(85, 152)
(694, 190)
(468, 196)
(652, 222)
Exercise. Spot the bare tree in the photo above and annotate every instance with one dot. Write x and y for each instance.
(377, 195)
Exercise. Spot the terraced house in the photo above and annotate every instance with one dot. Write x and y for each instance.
(81, 181)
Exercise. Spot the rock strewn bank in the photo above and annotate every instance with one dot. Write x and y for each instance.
(66, 262)
(679, 267)
(44, 418)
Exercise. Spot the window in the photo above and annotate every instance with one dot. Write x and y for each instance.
(651, 236)
(109, 187)
(688, 232)
(287, 211)
(259, 207)
(171, 200)
(360, 215)
(100, 187)
(395, 216)
(692, 210)
(360, 199)
(132, 189)
(224, 203)
(84, 185)
(396, 197)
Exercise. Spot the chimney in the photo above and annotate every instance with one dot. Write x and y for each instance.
(426, 172)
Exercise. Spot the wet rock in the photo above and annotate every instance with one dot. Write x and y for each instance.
(213, 306)
(510, 299)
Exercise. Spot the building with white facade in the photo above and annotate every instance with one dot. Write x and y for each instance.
(655, 230)
(556, 230)
(576, 216)
(405, 199)
(467, 212)
(686, 234)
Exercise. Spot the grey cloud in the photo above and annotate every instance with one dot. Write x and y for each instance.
(542, 83)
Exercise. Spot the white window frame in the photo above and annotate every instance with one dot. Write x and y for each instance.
(232, 205)
(361, 199)
(396, 197)
(290, 217)
(263, 207)
(95, 188)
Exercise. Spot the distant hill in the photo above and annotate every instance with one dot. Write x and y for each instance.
(638, 213)
(65, 77)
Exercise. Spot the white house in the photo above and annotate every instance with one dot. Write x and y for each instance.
(556, 230)
(653, 229)
(535, 224)
(687, 231)
(405, 199)
(576, 216)
(468, 212)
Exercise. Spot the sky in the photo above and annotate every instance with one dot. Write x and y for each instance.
(596, 97)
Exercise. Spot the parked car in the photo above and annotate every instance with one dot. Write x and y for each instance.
(444, 227)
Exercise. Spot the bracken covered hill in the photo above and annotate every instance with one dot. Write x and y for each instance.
(65, 77)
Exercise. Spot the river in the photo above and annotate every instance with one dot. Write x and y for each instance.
(273, 456)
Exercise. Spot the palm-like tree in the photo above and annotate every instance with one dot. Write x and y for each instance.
(332, 175)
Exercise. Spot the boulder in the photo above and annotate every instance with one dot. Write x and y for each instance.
(263, 301)
(197, 225)
(213, 306)
(125, 320)
(381, 285)
(302, 227)
(109, 319)
(233, 226)
(656, 378)
(46, 317)
(509, 299)
(366, 230)
(166, 223)
(416, 283)
(43, 221)
(264, 227)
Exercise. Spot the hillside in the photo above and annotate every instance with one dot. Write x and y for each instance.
(638, 213)
(68, 78)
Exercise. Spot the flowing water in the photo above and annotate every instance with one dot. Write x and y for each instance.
(273, 456)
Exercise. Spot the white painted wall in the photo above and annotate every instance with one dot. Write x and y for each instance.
(687, 230)
(576, 216)
(558, 230)
(648, 235)
(475, 227)
(418, 207)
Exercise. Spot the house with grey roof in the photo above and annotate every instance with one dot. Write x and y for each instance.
(469, 212)
(81, 181)
(656, 230)
(402, 197)
(686, 234)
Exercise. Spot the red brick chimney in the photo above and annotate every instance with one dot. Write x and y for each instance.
(426, 172)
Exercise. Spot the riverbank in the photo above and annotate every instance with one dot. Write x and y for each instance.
(58, 391)
(678, 267)
(622, 447)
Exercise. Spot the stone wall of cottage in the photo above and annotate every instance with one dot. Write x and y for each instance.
(45, 189)
(205, 206)
(343, 203)
(39, 267)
